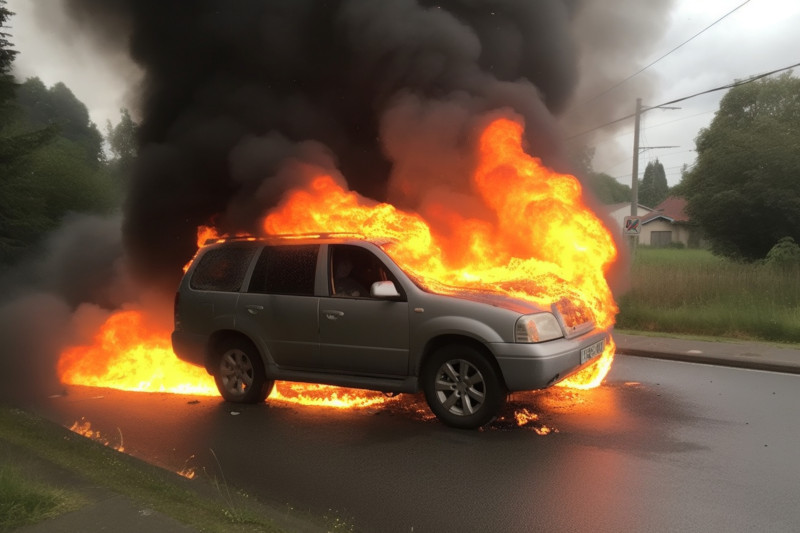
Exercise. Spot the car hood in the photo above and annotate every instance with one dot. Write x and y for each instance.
(503, 301)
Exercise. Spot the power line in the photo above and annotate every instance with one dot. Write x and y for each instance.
(729, 86)
(722, 88)
(690, 39)
(654, 126)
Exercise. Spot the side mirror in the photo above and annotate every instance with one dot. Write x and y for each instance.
(383, 289)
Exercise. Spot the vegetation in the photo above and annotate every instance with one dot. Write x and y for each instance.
(190, 502)
(52, 157)
(744, 190)
(653, 187)
(695, 292)
(606, 189)
(24, 501)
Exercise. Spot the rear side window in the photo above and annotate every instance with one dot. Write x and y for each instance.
(286, 270)
(222, 269)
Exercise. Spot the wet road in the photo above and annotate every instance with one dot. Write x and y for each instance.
(662, 446)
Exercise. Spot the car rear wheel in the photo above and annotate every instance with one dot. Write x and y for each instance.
(462, 387)
(240, 375)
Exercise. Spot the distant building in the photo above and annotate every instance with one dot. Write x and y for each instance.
(663, 225)
(668, 223)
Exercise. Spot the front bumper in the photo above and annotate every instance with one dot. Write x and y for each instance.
(540, 365)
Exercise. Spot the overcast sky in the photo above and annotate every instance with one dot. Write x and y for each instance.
(761, 36)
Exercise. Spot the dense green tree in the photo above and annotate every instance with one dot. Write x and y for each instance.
(123, 148)
(786, 253)
(744, 190)
(680, 188)
(607, 189)
(7, 55)
(602, 186)
(653, 187)
(58, 106)
(51, 164)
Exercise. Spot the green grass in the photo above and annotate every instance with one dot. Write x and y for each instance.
(26, 501)
(193, 502)
(694, 292)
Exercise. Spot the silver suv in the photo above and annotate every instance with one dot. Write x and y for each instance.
(337, 310)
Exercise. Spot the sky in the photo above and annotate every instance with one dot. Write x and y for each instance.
(759, 37)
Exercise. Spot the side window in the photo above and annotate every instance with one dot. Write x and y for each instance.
(286, 270)
(353, 270)
(222, 269)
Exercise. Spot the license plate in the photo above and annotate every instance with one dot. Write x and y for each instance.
(592, 351)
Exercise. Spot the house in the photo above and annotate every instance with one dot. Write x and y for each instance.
(668, 223)
(663, 225)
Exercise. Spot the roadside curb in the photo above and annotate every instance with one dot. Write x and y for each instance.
(733, 361)
(732, 353)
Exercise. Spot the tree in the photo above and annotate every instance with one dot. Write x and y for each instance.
(608, 190)
(680, 188)
(122, 138)
(122, 144)
(58, 106)
(50, 165)
(653, 188)
(602, 186)
(744, 190)
(7, 55)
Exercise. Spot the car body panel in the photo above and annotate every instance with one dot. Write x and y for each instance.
(286, 324)
(364, 336)
(369, 342)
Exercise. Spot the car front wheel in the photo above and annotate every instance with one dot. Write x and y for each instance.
(462, 387)
(240, 375)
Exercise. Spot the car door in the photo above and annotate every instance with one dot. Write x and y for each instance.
(280, 308)
(360, 334)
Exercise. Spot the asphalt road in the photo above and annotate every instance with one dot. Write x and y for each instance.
(661, 446)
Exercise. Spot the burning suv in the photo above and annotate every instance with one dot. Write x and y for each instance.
(337, 310)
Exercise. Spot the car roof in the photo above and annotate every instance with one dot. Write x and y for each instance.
(302, 238)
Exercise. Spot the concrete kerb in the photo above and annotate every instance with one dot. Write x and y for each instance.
(749, 355)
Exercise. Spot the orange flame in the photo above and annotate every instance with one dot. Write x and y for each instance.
(541, 243)
(130, 354)
(84, 428)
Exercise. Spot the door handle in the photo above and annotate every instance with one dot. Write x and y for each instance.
(332, 314)
(254, 309)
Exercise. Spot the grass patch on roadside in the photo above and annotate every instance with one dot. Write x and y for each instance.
(695, 292)
(148, 485)
(24, 501)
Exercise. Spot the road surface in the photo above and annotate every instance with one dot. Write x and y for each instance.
(661, 446)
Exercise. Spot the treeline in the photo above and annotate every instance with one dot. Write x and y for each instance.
(53, 161)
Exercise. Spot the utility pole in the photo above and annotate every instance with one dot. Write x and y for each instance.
(635, 171)
(634, 239)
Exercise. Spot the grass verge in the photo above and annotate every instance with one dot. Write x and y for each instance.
(189, 501)
(693, 292)
(25, 500)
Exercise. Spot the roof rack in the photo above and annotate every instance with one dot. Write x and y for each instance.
(320, 235)
(287, 236)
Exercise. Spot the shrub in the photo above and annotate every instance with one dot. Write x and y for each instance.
(786, 252)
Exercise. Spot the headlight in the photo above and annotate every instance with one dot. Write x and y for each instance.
(538, 328)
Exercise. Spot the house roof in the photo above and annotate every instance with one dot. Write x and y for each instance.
(673, 209)
(613, 207)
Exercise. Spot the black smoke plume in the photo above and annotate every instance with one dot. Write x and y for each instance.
(236, 93)
(233, 89)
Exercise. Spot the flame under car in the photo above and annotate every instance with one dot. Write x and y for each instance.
(338, 310)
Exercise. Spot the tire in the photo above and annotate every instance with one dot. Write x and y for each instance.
(462, 387)
(240, 375)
